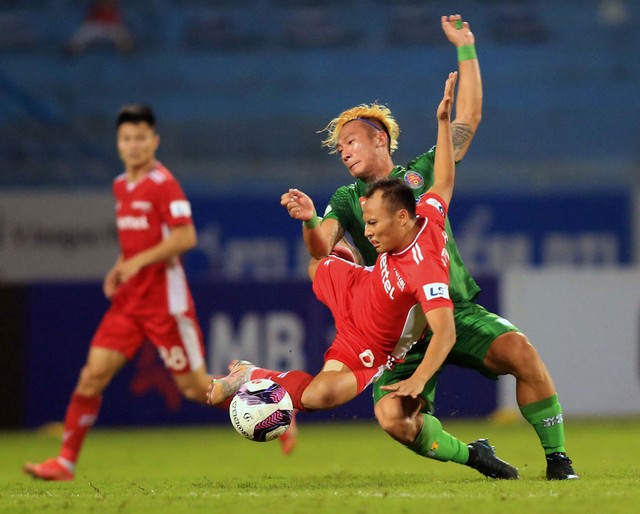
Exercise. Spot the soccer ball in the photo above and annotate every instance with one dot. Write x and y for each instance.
(261, 410)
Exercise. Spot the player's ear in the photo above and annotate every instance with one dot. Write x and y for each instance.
(381, 138)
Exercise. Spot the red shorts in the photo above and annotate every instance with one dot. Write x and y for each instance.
(333, 285)
(177, 338)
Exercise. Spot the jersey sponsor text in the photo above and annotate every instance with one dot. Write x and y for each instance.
(132, 222)
(384, 275)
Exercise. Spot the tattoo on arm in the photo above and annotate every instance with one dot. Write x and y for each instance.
(337, 234)
(460, 133)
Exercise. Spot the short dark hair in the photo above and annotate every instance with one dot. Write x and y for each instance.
(136, 113)
(395, 193)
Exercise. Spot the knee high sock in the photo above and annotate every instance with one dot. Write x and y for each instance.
(294, 381)
(434, 443)
(546, 418)
(82, 412)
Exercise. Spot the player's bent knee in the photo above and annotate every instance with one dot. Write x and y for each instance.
(395, 421)
(514, 354)
(524, 355)
(320, 397)
(386, 413)
(319, 402)
(388, 424)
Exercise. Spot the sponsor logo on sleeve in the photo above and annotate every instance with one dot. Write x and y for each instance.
(435, 203)
(180, 209)
(436, 290)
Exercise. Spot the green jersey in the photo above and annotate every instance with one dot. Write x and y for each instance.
(345, 207)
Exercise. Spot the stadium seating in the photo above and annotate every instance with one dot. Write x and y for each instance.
(242, 85)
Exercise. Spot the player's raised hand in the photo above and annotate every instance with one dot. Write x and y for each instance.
(298, 204)
(446, 104)
(457, 31)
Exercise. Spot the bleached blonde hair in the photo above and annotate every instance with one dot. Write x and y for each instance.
(374, 112)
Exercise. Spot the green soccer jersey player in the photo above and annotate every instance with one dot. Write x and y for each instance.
(365, 137)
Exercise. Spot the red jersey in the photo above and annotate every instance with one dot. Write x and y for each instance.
(145, 211)
(379, 310)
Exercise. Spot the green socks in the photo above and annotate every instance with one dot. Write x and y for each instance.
(546, 418)
(435, 443)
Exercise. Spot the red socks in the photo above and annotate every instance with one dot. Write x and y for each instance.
(82, 412)
(294, 381)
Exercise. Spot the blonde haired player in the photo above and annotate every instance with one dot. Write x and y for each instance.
(379, 115)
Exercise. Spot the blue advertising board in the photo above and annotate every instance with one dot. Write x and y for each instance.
(495, 231)
(276, 325)
(254, 238)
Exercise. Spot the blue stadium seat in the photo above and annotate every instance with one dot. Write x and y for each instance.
(215, 31)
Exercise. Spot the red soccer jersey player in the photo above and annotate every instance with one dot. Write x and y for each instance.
(155, 301)
(150, 297)
(379, 311)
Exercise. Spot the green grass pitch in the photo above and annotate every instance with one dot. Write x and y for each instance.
(338, 467)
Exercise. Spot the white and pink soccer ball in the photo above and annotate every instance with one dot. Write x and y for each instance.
(261, 410)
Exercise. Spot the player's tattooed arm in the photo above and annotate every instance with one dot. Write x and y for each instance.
(461, 134)
(336, 232)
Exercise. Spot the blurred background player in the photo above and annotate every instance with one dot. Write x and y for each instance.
(380, 311)
(149, 293)
(103, 23)
(485, 342)
(150, 297)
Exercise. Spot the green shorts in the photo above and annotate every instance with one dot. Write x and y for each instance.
(476, 329)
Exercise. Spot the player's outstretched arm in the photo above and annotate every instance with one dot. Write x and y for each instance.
(444, 166)
(320, 236)
(469, 99)
(441, 322)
